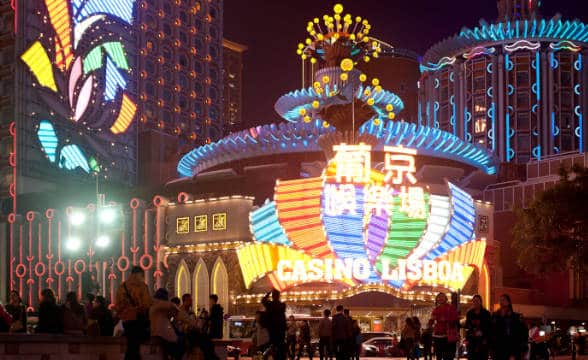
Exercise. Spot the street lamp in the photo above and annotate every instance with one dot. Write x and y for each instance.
(103, 241)
(107, 215)
(73, 243)
(77, 218)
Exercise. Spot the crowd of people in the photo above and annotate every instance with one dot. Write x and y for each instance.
(172, 323)
(503, 335)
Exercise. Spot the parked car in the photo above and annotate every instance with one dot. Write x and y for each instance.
(378, 346)
(370, 335)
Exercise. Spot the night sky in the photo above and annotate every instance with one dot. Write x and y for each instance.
(271, 29)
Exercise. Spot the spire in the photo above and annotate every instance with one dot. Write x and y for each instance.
(518, 9)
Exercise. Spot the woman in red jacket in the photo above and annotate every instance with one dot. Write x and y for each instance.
(444, 320)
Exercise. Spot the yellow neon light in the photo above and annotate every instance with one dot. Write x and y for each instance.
(60, 20)
(38, 62)
(125, 116)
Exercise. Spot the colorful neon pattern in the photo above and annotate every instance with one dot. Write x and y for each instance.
(288, 138)
(478, 51)
(564, 45)
(510, 31)
(443, 62)
(444, 231)
(70, 22)
(522, 45)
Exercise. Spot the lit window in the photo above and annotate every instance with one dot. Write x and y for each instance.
(480, 126)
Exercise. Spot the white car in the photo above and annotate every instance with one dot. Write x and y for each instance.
(378, 346)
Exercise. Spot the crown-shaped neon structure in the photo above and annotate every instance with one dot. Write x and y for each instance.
(338, 37)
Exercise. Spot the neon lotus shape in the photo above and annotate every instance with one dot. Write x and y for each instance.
(300, 226)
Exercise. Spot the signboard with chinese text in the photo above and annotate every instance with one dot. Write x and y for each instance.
(216, 220)
(356, 224)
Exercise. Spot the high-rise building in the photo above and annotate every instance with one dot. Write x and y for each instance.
(233, 84)
(516, 86)
(90, 82)
(180, 82)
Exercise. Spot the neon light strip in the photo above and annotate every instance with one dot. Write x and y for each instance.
(125, 116)
(38, 62)
(48, 139)
(84, 98)
(122, 9)
(81, 28)
(436, 225)
(61, 21)
(72, 157)
(565, 45)
(265, 225)
(114, 80)
(461, 225)
(298, 204)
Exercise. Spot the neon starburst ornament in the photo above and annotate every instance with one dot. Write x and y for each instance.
(70, 72)
(338, 37)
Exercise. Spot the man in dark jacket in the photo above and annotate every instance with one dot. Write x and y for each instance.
(478, 325)
(340, 334)
(276, 311)
(216, 318)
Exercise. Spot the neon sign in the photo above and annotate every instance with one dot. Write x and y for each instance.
(356, 224)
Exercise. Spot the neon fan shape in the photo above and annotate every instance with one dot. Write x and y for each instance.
(289, 138)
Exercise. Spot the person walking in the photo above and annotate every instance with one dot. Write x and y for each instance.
(216, 318)
(132, 306)
(304, 340)
(50, 314)
(427, 341)
(260, 338)
(18, 311)
(103, 316)
(408, 338)
(325, 333)
(276, 311)
(444, 320)
(510, 339)
(477, 327)
(349, 341)
(340, 334)
(291, 335)
(160, 314)
(416, 322)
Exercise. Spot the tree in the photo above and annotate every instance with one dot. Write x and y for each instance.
(552, 233)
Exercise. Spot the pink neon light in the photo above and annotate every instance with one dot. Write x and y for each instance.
(74, 76)
(84, 98)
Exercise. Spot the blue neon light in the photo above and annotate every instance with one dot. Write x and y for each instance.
(114, 80)
(578, 130)
(48, 139)
(72, 157)
(554, 127)
(266, 227)
(538, 76)
(122, 9)
(491, 115)
(507, 140)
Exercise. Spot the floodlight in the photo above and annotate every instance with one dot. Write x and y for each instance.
(103, 241)
(77, 218)
(73, 243)
(107, 215)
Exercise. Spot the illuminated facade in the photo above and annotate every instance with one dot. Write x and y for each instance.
(75, 97)
(516, 86)
(233, 85)
(180, 82)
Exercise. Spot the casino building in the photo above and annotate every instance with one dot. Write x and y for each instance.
(342, 202)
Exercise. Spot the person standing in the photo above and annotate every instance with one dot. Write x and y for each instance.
(132, 305)
(510, 333)
(276, 311)
(325, 332)
(18, 311)
(427, 341)
(340, 334)
(304, 340)
(349, 341)
(477, 326)
(356, 331)
(444, 320)
(160, 314)
(260, 338)
(50, 314)
(408, 338)
(416, 322)
(216, 318)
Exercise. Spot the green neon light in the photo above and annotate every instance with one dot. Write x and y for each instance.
(94, 59)
(404, 234)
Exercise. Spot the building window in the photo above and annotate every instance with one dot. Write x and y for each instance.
(182, 280)
(200, 223)
(219, 221)
(480, 126)
(522, 78)
(523, 99)
(523, 121)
